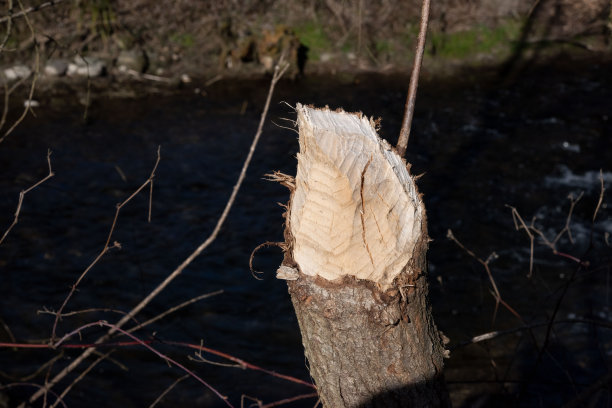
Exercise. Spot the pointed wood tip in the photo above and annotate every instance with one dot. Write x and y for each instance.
(355, 210)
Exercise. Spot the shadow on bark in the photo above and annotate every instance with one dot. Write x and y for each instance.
(423, 394)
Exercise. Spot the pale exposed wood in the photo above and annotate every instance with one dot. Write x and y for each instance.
(355, 210)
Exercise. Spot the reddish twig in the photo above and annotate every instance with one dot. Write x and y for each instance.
(241, 363)
(402, 143)
(26, 191)
(147, 346)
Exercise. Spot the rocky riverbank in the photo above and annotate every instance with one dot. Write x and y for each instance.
(170, 43)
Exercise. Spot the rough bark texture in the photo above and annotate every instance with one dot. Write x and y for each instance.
(367, 349)
(355, 261)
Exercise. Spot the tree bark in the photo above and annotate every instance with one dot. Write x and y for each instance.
(355, 262)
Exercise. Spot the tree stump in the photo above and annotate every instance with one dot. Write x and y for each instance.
(356, 240)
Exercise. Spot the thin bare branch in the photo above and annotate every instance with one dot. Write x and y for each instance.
(149, 347)
(531, 229)
(500, 333)
(25, 12)
(495, 291)
(26, 191)
(516, 216)
(279, 70)
(36, 373)
(402, 143)
(107, 247)
(167, 390)
(601, 194)
(9, 26)
(28, 384)
(174, 309)
(28, 106)
(289, 400)
(81, 376)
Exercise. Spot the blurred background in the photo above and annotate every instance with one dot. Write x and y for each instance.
(513, 109)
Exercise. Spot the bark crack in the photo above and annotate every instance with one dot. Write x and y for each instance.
(362, 211)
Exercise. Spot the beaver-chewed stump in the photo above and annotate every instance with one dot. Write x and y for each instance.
(356, 240)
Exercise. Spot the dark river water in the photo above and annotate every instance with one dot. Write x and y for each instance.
(481, 142)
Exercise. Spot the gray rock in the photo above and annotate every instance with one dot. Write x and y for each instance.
(17, 72)
(87, 66)
(134, 59)
(56, 67)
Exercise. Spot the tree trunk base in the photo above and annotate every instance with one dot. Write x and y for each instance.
(367, 348)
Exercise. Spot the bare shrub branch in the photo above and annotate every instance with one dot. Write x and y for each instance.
(402, 143)
(601, 194)
(25, 12)
(495, 292)
(26, 191)
(167, 390)
(147, 346)
(107, 247)
(279, 70)
(174, 309)
(531, 229)
(36, 73)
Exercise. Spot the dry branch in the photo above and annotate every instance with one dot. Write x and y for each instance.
(402, 143)
(278, 72)
(485, 263)
(24, 12)
(167, 390)
(107, 246)
(28, 106)
(26, 191)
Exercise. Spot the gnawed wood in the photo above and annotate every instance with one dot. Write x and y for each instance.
(355, 264)
(355, 210)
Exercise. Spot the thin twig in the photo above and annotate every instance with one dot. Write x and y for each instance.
(147, 346)
(174, 309)
(167, 390)
(516, 217)
(81, 376)
(9, 26)
(289, 400)
(26, 191)
(83, 311)
(237, 362)
(35, 373)
(278, 73)
(531, 229)
(25, 12)
(402, 143)
(28, 106)
(601, 194)
(241, 363)
(107, 247)
(495, 292)
(27, 384)
(500, 333)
